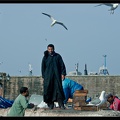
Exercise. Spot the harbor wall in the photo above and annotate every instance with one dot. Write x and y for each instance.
(94, 84)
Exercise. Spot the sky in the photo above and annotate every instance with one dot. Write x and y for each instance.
(92, 32)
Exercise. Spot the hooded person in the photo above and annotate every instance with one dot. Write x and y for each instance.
(69, 87)
(53, 69)
(114, 102)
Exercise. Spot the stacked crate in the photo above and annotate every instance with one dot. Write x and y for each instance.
(79, 101)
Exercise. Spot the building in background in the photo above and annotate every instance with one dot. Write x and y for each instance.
(85, 71)
(103, 69)
(76, 72)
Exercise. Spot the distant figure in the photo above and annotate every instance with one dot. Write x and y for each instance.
(20, 104)
(114, 102)
(53, 69)
(30, 69)
(69, 87)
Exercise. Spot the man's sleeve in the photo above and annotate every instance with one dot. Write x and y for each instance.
(24, 102)
(62, 65)
(43, 67)
(116, 104)
(66, 93)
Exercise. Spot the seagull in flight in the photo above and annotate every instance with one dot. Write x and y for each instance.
(112, 5)
(54, 21)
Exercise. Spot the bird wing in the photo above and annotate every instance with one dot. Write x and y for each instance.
(95, 101)
(98, 5)
(108, 4)
(101, 103)
(49, 16)
(62, 25)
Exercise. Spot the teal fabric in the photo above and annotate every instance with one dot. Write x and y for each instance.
(69, 87)
(19, 106)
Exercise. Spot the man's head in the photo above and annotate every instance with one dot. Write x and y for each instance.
(109, 98)
(24, 91)
(50, 48)
(63, 77)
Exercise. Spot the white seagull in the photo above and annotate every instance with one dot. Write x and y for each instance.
(112, 5)
(102, 98)
(100, 101)
(55, 21)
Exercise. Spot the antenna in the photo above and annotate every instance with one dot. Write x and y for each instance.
(76, 67)
(105, 60)
(105, 71)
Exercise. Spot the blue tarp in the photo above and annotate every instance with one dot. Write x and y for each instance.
(5, 103)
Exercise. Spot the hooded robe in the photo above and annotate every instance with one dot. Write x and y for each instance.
(52, 68)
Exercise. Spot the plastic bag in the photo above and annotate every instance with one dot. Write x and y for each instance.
(42, 105)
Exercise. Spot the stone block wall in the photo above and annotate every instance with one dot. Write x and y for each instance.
(94, 84)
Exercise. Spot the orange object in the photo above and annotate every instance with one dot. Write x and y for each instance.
(81, 91)
(86, 108)
(70, 100)
(80, 94)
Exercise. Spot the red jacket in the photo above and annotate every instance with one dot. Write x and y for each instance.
(116, 104)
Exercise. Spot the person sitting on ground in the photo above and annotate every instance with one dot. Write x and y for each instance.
(20, 104)
(114, 102)
(69, 87)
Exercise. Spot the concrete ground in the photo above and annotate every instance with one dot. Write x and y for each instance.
(64, 113)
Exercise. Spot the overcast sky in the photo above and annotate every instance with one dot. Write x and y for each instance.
(92, 32)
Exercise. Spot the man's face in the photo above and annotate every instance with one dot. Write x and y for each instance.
(50, 49)
(26, 93)
(110, 99)
(63, 77)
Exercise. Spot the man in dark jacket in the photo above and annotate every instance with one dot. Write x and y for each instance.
(53, 70)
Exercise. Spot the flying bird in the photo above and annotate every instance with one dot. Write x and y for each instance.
(54, 21)
(112, 5)
(20, 71)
